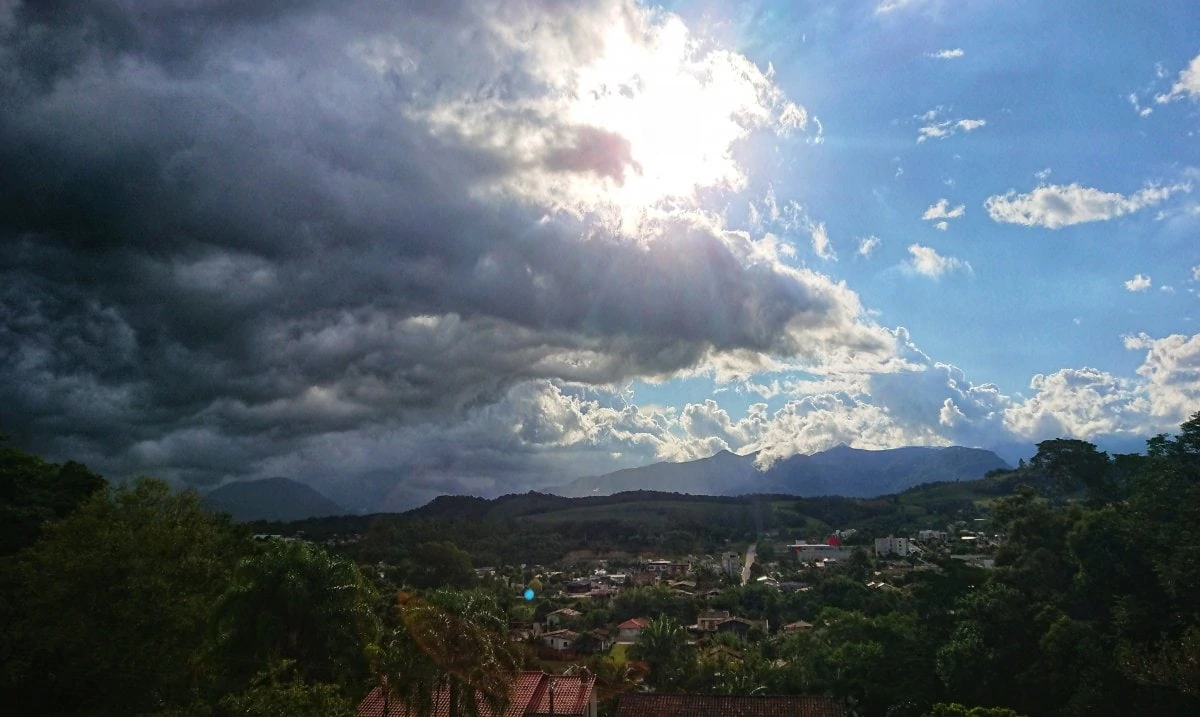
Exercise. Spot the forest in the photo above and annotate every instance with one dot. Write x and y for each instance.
(132, 599)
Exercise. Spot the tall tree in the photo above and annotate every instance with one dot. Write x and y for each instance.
(664, 647)
(106, 614)
(293, 601)
(453, 644)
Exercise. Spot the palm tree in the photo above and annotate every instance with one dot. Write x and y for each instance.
(664, 646)
(293, 601)
(452, 646)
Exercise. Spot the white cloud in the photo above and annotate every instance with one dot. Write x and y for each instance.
(1171, 370)
(868, 244)
(926, 261)
(1167, 289)
(935, 127)
(1083, 403)
(1188, 84)
(886, 6)
(820, 242)
(953, 54)
(1139, 282)
(1059, 205)
(942, 210)
(942, 226)
(1196, 273)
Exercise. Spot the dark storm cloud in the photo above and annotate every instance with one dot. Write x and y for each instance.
(227, 234)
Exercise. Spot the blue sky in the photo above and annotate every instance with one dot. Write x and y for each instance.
(397, 249)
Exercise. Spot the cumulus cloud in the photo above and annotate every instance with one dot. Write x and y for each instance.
(926, 261)
(868, 244)
(1139, 282)
(1187, 85)
(942, 210)
(936, 127)
(949, 54)
(1057, 205)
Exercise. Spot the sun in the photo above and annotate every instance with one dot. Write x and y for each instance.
(681, 106)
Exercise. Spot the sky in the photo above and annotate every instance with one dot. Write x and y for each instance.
(395, 249)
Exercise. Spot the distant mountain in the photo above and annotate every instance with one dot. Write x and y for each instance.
(275, 499)
(840, 470)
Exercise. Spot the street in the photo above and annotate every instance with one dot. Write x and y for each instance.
(749, 561)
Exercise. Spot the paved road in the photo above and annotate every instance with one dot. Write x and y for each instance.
(749, 561)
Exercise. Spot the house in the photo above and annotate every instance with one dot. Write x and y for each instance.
(892, 546)
(798, 626)
(731, 564)
(631, 629)
(707, 620)
(599, 640)
(739, 626)
(653, 704)
(559, 617)
(560, 640)
(532, 694)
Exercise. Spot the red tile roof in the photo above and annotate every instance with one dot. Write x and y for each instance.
(530, 696)
(636, 622)
(658, 705)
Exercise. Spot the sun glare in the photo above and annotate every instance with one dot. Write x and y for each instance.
(681, 108)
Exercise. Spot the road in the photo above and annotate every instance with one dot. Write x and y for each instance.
(749, 561)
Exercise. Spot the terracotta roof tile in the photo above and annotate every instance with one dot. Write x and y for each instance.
(659, 705)
(529, 696)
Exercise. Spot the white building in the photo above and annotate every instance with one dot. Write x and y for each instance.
(892, 546)
(731, 563)
(812, 552)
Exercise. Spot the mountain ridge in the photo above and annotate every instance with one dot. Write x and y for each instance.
(271, 499)
(841, 470)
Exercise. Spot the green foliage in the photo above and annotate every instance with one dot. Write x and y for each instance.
(106, 614)
(664, 647)
(292, 602)
(452, 639)
(278, 691)
(957, 710)
(34, 492)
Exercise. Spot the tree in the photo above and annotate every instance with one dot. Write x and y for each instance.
(957, 710)
(664, 647)
(278, 691)
(292, 601)
(34, 492)
(453, 640)
(106, 613)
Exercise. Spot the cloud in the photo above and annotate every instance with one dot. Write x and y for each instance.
(1196, 273)
(1085, 403)
(942, 210)
(820, 242)
(1187, 85)
(1139, 282)
(942, 226)
(927, 262)
(354, 228)
(953, 54)
(868, 244)
(1171, 370)
(935, 127)
(1057, 205)
(886, 6)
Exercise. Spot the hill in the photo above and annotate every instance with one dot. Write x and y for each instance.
(840, 471)
(273, 499)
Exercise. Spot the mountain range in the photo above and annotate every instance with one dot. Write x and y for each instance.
(274, 499)
(841, 470)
